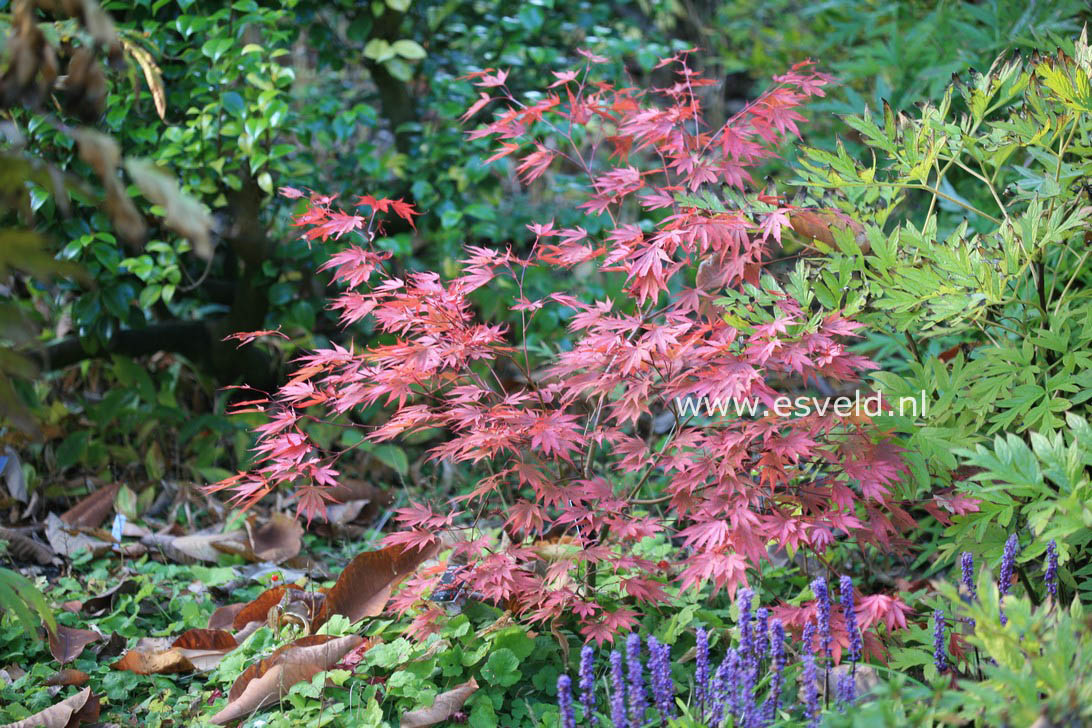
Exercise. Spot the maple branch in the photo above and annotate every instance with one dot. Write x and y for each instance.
(198, 341)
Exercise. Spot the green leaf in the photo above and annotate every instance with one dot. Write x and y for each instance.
(233, 103)
(409, 49)
(502, 668)
(378, 50)
(393, 457)
(72, 449)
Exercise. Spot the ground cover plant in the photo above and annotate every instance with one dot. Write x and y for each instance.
(548, 345)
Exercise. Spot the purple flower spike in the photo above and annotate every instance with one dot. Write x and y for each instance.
(1008, 564)
(565, 701)
(810, 679)
(663, 690)
(940, 654)
(618, 691)
(701, 673)
(966, 567)
(846, 690)
(822, 598)
(587, 684)
(762, 632)
(808, 638)
(749, 657)
(856, 647)
(777, 659)
(1051, 576)
(726, 688)
(638, 701)
(746, 632)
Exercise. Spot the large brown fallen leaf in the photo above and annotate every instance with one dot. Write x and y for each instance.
(363, 588)
(66, 643)
(93, 509)
(258, 610)
(223, 617)
(204, 546)
(24, 548)
(154, 656)
(195, 649)
(68, 677)
(66, 541)
(278, 540)
(99, 604)
(352, 498)
(83, 707)
(265, 683)
(205, 639)
(446, 704)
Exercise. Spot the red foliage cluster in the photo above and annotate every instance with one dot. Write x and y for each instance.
(565, 460)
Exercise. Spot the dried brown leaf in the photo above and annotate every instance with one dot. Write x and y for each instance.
(205, 639)
(363, 588)
(98, 604)
(25, 548)
(66, 643)
(99, 150)
(279, 539)
(93, 509)
(83, 707)
(224, 616)
(446, 704)
(184, 215)
(167, 662)
(299, 661)
(194, 547)
(68, 677)
(258, 610)
(152, 75)
(67, 542)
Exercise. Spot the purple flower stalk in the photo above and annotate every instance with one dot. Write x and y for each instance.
(638, 701)
(701, 673)
(565, 701)
(618, 691)
(726, 688)
(777, 658)
(1008, 563)
(810, 678)
(746, 633)
(822, 598)
(846, 690)
(940, 654)
(749, 657)
(1051, 576)
(663, 690)
(762, 632)
(587, 684)
(856, 647)
(808, 638)
(966, 567)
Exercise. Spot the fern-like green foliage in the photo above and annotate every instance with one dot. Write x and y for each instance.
(19, 597)
(976, 213)
(1044, 484)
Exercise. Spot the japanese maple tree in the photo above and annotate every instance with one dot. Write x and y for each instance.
(560, 452)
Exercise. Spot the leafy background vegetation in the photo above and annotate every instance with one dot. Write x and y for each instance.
(142, 147)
